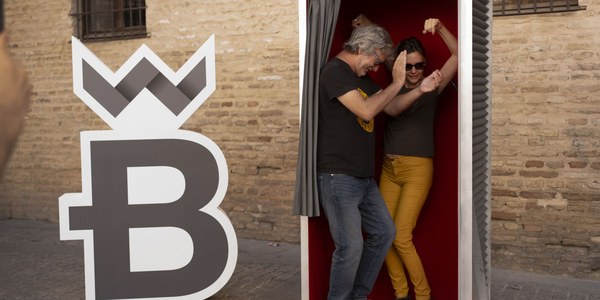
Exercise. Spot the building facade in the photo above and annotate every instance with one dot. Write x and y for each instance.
(252, 116)
(545, 142)
(545, 134)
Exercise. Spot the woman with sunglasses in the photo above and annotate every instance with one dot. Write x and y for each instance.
(408, 162)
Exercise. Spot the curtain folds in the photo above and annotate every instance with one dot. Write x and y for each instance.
(321, 19)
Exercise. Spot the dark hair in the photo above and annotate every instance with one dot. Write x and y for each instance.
(411, 44)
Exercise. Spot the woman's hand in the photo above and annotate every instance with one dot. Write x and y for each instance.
(431, 82)
(361, 20)
(432, 25)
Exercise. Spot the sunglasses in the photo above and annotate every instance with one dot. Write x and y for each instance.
(418, 66)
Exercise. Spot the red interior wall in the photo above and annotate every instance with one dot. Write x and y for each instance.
(436, 234)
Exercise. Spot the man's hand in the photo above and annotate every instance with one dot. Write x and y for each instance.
(15, 91)
(431, 82)
(399, 69)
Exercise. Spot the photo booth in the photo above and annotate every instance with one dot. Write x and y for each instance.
(452, 233)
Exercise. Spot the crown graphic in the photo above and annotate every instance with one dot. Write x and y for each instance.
(144, 94)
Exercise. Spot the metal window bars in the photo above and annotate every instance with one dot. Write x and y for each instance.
(523, 7)
(101, 20)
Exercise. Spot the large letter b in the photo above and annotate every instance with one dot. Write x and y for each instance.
(124, 213)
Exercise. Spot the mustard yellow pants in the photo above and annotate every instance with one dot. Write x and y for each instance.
(404, 185)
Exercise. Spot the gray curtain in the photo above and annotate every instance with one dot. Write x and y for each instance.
(321, 19)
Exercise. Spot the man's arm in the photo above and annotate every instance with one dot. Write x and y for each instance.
(367, 109)
(403, 101)
(14, 100)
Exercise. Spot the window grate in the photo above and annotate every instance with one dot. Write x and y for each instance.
(101, 20)
(524, 7)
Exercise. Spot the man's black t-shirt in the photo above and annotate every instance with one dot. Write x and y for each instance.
(346, 144)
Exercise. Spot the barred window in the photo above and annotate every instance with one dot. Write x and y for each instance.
(522, 7)
(99, 20)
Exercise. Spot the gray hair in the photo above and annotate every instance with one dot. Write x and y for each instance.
(369, 38)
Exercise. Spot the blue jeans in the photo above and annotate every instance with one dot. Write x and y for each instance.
(351, 205)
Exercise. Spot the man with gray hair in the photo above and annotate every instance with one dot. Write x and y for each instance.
(348, 103)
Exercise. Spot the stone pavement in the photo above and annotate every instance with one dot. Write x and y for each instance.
(508, 284)
(36, 264)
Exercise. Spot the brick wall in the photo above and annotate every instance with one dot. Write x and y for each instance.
(546, 120)
(545, 142)
(252, 115)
